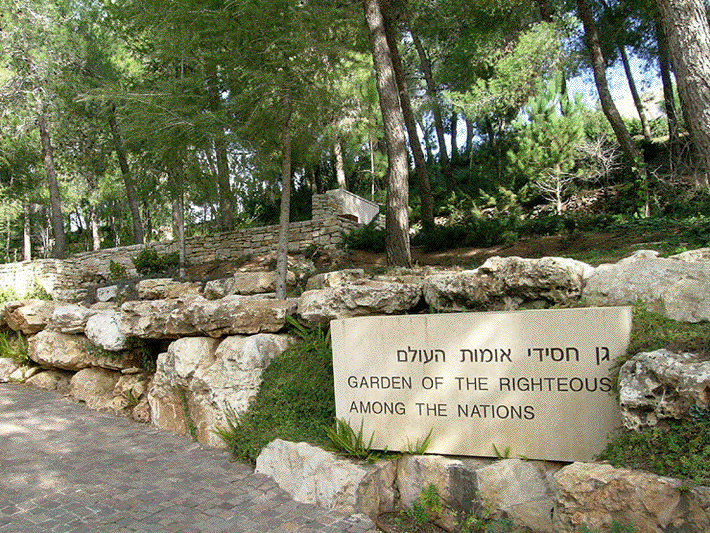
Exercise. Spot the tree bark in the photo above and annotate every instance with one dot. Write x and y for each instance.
(425, 196)
(177, 193)
(628, 147)
(397, 216)
(686, 27)
(285, 215)
(55, 201)
(436, 110)
(226, 200)
(664, 65)
(128, 183)
(339, 164)
(634, 92)
(454, 136)
(26, 232)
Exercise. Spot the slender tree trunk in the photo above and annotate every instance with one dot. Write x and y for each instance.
(469, 137)
(226, 200)
(372, 165)
(285, 215)
(634, 92)
(436, 110)
(339, 164)
(686, 27)
(425, 196)
(55, 201)
(26, 231)
(664, 65)
(397, 229)
(178, 214)
(148, 219)
(628, 147)
(128, 182)
(454, 136)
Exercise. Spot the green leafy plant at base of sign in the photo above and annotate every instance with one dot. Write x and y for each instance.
(295, 401)
(682, 450)
(420, 446)
(346, 441)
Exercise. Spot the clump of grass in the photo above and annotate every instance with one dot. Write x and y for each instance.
(681, 451)
(14, 346)
(653, 331)
(295, 401)
(345, 440)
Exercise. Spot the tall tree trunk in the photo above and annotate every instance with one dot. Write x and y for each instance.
(634, 92)
(128, 183)
(372, 165)
(630, 150)
(454, 136)
(339, 164)
(178, 214)
(433, 97)
(26, 231)
(285, 215)
(226, 200)
(469, 137)
(664, 66)
(397, 216)
(686, 27)
(425, 196)
(55, 201)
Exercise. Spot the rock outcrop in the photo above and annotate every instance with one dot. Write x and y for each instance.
(659, 385)
(358, 299)
(504, 283)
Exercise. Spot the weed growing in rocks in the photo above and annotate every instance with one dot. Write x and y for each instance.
(14, 346)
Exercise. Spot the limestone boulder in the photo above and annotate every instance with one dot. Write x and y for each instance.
(517, 490)
(103, 330)
(107, 294)
(677, 288)
(358, 299)
(73, 296)
(232, 315)
(210, 378)
(455, 480)
(29, 316)
(94, 387)
(166, 288)
(219, 288)
(659, 385)
(7, 367)
(246, 283)
(52, 349)
(599, 495)
(312, 475)
(504, 283)
(52, 380)
(334, 279)
(129, 392)
(70, 319)
(24, 372)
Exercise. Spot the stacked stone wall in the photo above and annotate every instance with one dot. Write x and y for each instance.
(326, 230)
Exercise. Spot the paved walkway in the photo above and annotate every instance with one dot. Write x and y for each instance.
(64, 468)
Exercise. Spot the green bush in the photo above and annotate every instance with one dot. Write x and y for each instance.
(367, 237)
(149, 262)
(295, 401)
(117, 270)
(14, 346)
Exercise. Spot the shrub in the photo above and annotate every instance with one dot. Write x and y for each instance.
(295, 401)
(367, 237)
(149, 262)
(14, 346)
(117, 270)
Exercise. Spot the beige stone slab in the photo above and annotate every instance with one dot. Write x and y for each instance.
(534, 382)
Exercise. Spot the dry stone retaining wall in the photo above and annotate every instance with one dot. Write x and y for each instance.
(226, 373)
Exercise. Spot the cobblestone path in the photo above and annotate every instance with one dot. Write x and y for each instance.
(64, 468)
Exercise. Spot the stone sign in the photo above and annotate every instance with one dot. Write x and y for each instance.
(529, 383)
